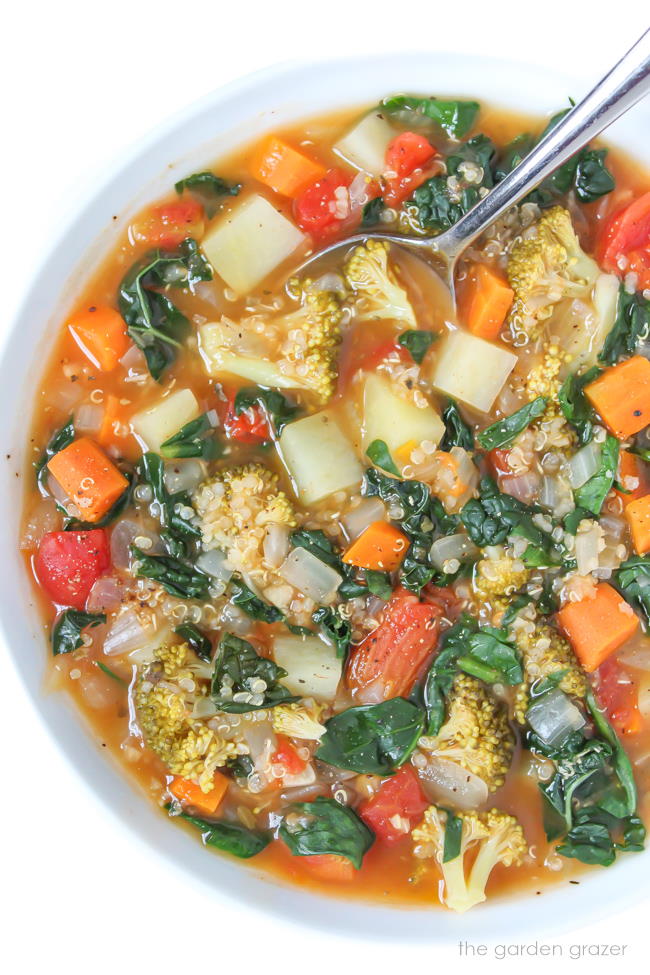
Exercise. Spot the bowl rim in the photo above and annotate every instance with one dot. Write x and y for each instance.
(339, 916)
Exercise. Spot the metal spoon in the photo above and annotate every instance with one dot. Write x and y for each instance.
(619, 90)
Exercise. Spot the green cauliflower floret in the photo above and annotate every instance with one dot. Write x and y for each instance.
(368, 275)
(302, 351)
(494, 836)
(301, 719)
(476, 734)
(546, 653)
(187, 746)
(561, 289)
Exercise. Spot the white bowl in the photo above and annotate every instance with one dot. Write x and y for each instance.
(191, 141)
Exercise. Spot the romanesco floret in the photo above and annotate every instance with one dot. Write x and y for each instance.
(301, 719)
(476, 734)
(369, 276)
(498, 836)
(187, 746)
(545, 267)
(544, 653)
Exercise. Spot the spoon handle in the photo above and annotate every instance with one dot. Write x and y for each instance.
(622, 87)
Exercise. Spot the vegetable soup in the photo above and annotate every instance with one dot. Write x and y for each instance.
(351, 582)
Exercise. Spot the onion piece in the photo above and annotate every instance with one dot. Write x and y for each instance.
(443, 781)
(184, 475)
(43, 518)
(214, 563)
(553, 717)
(586, 548)
(358, 519)
(643, 700)
(122, 538)
(523, 487)
(637, 656)
(452, 547)
(128, 633)
(105, 595)
(276, 544)
(88, 418)
(310, 576)
(584, 464)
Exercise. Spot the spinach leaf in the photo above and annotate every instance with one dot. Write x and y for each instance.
(111, 673)
(589, 841)
(325, 827)
(592, 179)
(577, 777)
(631, 325)
(574, 404)
(372, 211)
(60, 439)
(512, 155)
(177, 578)
(373, 738)
(238, 660)
(198, 641)
(418, 342)
(379, 454)
(442, 200)
(379, 583)
(226, 836)
(335, 628)
(154, 323)
(453, 837)
(317, 542)
(191, 441)
(253, 606)
(66, 632)
(275, 405)
(179, 531)
(491, 517)
(208, 189)
(457, 432)
(482, 652)
(592, 494)
(622, 764)
(503, 432)
(573, 519)
(478, 150)
(455, 117)
(633, 579)
(516, 604)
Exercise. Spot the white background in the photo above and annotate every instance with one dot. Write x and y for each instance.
(80, 81)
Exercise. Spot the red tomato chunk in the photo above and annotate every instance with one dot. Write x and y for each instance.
(68, 564)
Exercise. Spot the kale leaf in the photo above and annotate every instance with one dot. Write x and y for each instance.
(335, 628)
(198, 641)
(177, 578)
(575, 406)
(274, 404)
(591, 495)
(633, 579)
(191, 441)
(208, 190)
(252, 605)
(631, 325)
(457, 432)
(67, 630)
(239, 661)
(503, 432)
(379, 454)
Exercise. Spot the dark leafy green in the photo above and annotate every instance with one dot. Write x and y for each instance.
(591, 495)
(179, 534)
(176, 577)
(440, 204)
(238, 660)
(379, 583)
(275, 405)
(457, 432)
(198, 641)
(373, 738)
(491, 517)
(574, 404)
(455, 117)
(208, 189)
(418, 342)
(379, 454)
(453, 837)
(335, 628)
(154, 323)
(317, 542)
(324, 826)
(372, 211)
(621, 762)
(512, 155)
(252, 605)
(111, 673)
(226, 836)
(67, 630)
(195, 439)
(503, 432)
(633, 579)
(60, 439)
(631, 325)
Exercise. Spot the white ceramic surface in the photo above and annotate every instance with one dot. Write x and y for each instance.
(190, 141)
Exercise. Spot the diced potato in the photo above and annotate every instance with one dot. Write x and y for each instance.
(365, 145)
(471, 369)
(313, 669)
(388, 417)
(161, 421)
(319, 458)
(248, 243)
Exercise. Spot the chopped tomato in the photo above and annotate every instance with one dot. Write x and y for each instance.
(250, 426)
(497, 461)
(617, 694)
(169, 224)
(287, 755)
(406, 156)
(375, 356)
(68, 564)
(444, 598)
(324, 206)
(395, 807)
(330, 866)
(626, 232)
(638, 262)
(387, 663)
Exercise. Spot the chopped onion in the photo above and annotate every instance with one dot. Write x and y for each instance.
(310, 576)
(523, 487)
(300, 779)
(64, 397)
(183, 475)
(330, 281)
(637, 656)
(584, 464)
(127, 633)
(446, 782)
(235, 620)
(452, 547)
(122, 537)
(261, 741)
(88, 418)
(214, 564)
(553, 717)
(358, 519)
(43, 517)
(61, 497)
(643, 700)
(204, 707)
(105, 595)
(586, 549)
(359, 192)
(555, 494)
(133, 359)
(276, 544)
